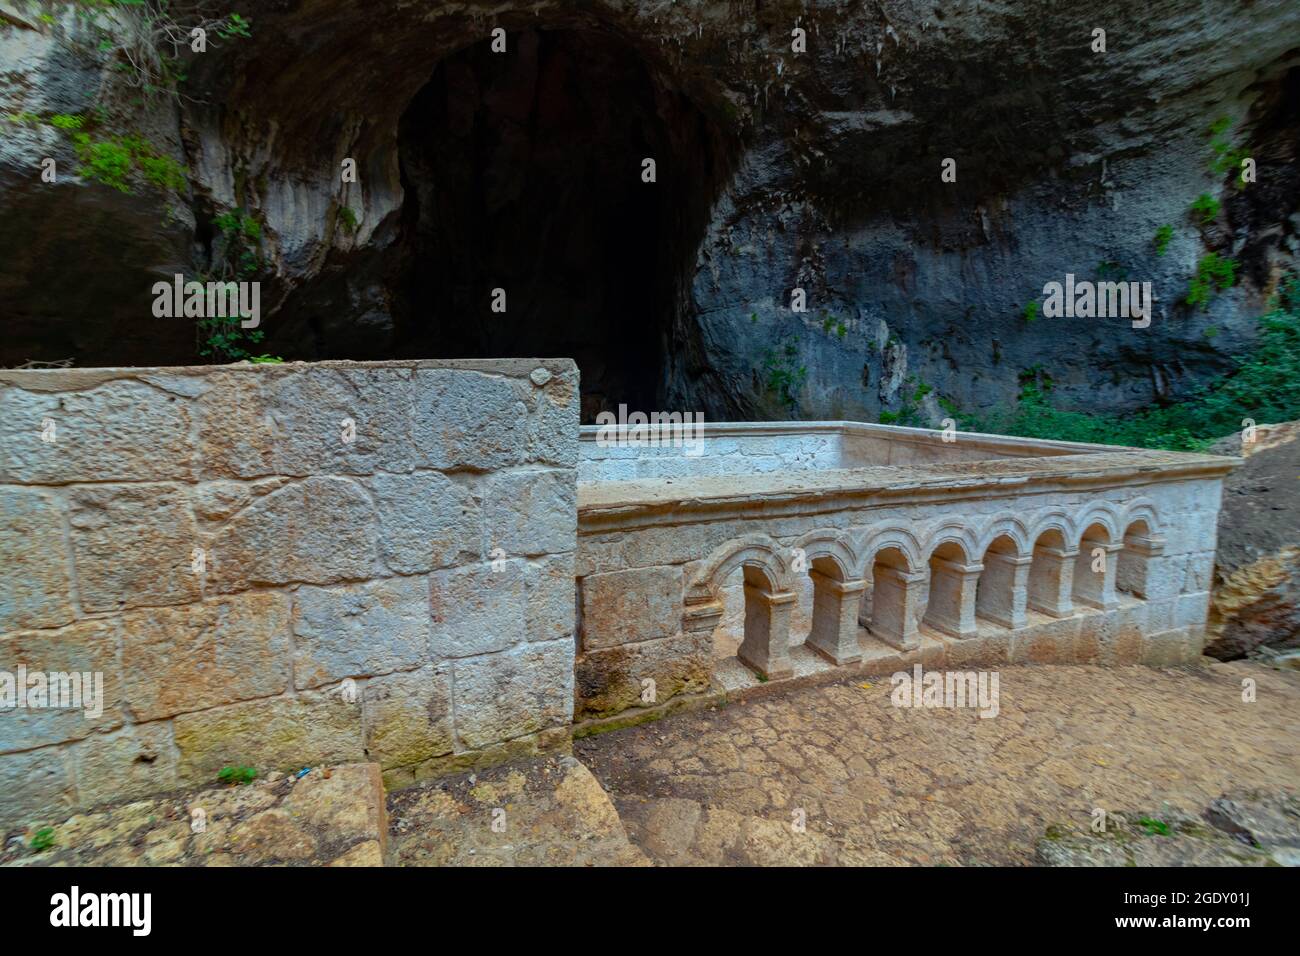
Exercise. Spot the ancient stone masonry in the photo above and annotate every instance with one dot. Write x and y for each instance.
(879, 547)
(430, 565)
(284, 565)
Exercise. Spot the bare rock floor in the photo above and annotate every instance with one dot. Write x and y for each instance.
(883, 785)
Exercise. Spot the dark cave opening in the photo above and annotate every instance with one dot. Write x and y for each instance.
(523, 172)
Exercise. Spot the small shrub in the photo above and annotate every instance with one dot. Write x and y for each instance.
(42, 840)
(1163, 235)
(1030, 312)
(1207, 207)
(237, 776)
(1213, 274)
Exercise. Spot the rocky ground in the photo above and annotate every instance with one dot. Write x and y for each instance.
(1187, 771)
(881, 785)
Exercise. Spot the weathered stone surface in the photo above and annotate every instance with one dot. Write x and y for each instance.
(310, 409)
(608, 681)
(512, 693)
(35, 573)
(359, 629)
(37, 787)
(205, 654)
(426, 521)
(152, 524)
(132, 762)
(316, 531)
(550, 594)
(86, 647)
(119, 431)
(553, 427)
(235, 433)
(465, 419)
(332, 816)
(278, 733)
(555, 813)
(408, 716)
(625, 607)
(477, 609)
(1256, 601)
(531, 512)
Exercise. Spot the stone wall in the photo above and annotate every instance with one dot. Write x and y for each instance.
(236, 562)
(659, 566)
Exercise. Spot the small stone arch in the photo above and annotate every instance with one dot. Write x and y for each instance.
(1054, 520)
(953, 532)
(893, 536)
(1143, 509)
(1143, 546)
(1099, 513)
(1009, 525)
(826, 548)
(756, 553)
(1099, 531)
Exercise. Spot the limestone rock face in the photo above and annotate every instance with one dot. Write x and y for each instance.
(1256, 601)
(817, 168)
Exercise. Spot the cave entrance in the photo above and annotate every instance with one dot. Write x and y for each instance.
(523, 173)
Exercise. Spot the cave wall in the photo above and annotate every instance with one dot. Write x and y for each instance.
(818, 170)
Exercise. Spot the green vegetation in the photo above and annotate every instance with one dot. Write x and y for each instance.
(67, 121)
(1213, 274)
(115, 160)
(1154, 827)
(1264, 387)
(1227, 154)
(348, 219)
(785, 376)
(1030, 312)
(1207, 207)
(237, 775)
(42, 840)
(238, 254)
(1163, 235)
(910, 412)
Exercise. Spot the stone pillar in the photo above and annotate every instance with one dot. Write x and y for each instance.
(952, 597)
(701, 616)
(1051, 580)
(766, 647)
(894, 599)
(834, 632)
(1003, 589)
(1093, 588)
(1136, 562)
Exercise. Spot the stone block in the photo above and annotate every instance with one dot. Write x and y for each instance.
(235, 433)
(37, 788)
(408, 716)
(310, 409)
(35, 575)
(278, 733)
(357, 630)
(121, 430)
(203, 655)
(531, 512)
(132, 546)
(611, 680)
(1169, 648)
(468, 419)
(426, 521)
(133, 762)
(477, 609)
(315, 531)
(549, 588)
(512, 693)
(1045, 642)
(553, 427)
(626, 607)
(86, 647)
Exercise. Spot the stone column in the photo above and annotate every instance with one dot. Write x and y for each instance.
(1136, 562)
(1003, 589)
(1093, 588)
(952, 597)
(834, 632)
(894, 598)
(766, 647)
(1051, 580)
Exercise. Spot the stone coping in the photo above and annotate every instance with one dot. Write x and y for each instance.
(675, 500)
(68, 379)
(897, 433)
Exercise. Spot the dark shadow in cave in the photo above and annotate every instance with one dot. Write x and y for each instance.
(523, 172)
